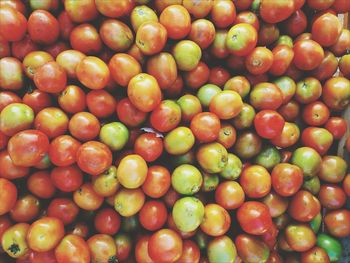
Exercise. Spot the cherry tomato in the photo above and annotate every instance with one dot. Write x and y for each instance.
(119, 9)
(251, 249)
(216, 220)
(166, 116)
(128, 202)
(81, 11)
(300, 237)
(274, 12)
(221, 249)
(308, 54)
(286, 179)
(266, 96)
(153, 215)
(326, 29)
(268, 124)
(157, 181)
(255, 181)
(120, 64)
(129, 114)
(187, 55)
(132, 171)
(316, 255)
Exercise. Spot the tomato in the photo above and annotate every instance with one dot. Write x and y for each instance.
(248, 145)
(198, 76)
(286, 179)
(45, 234)
(268, 124)
(218, 48)
(122, 61)
(14, 240)
(141, 250)
(187, 55)
(52, 121)
(166, 116)
(188, 213)
(69, 60)
(141, 14)
(212, 157)
(251, 249)
(269, 157)
(296, 24)
(165, 245)
(86, 198)
(7, 98)
(316, 254)
(205, 126)
(64, 209)
(106, 184)
(300, 237)
(308, 160)
(63, 150)
(274, 12)
(119, 9)
(13, 24)
(84, 126)
(327, 67)
(176, 20)
(227, 135)
(316, 114)
(247, 17)
(245, 118)
(37, 100)
(241, 39)
(102, 248)
(336, 93)
(282, 58)
(229, 195)
(304, 206)
(72, 248)
(153, 215)
(268, 34)
(342, 45)
(338, 222)
(223, 13)
(240, 84)
(84, 38)
(43, 19)
(67, 178)
(221, 249)
(11, 76)
(107, 221)
(202, 32)
(254, 217)
(129, 114)
(157, 181)
(226, 104)
(82, 11)
(132, 171)
(151, 37)
(50, 77)
(179, 141)
(255, 181)
(326, 29)
(8, 169)
(26, 209)
(259, 60)
(72, 99)
(189, 174)
(112, 131)
(317, 138)
(34, 60)
(116, 35)
(332, 196)
(266, 96)
(216, 220)
(308, 54)
(344, 65)
(66, 24)
(332, 246)
(128, 202)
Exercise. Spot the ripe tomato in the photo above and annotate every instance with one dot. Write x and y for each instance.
(141, 250)
(72, 99)
(157, 181)
(259, 60)
(300, 237)
(119, 9)
(153, 215)
(336, 93)
(64, 209)
(241, 39)
(229, 195)
(304, 206)
(296, 24)
(129, 114)
(315, 255)
(205, 126)
(327, 67)
(14, 240)
(254, 217)
(202, 32)
(223, 13)
(52, 121)
(255, 181)
(149, 146)
(128, 202)
(132, 171)
(72, 248)
(166, 116)
(81, 11)
(218, 48)
(20, 49)
(333, 169)
(331, 196)
(266, 96)
(277, 204)
(11, 76)
(86, 198)
(165, 245)
(123, 67)
(40, 184)
(308, 54)
(13, 25)
(50, 77)
(43, 19)
(67, 178)
(317, 138)
(8, 194)
(316, 114)
(8, 169)
(286, 179)
(337, 126)
(268, 124)
(107, 221)
(26, 209)
(276, 11)
(45, 234)
(37, 100)
(326, 29)
(84, 38)
(116, 35)
(102, 248)
(63, 150)
(84, 126)
(216, 220)
(151, 37)
(282, 59)
(176, 20)
(342, 45)
(250, 248)
(247, 17)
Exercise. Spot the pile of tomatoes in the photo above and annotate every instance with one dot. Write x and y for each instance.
(173, 131)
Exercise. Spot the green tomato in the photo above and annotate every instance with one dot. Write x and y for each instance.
(332, 246)
(233, 168)
(284, 40)
(222, 249)
(187, 55)
(245, 118)
(212, 157)
(288, 87)
(179, 141)
(308, 160)
(269, 157)
(141, 14)
(188, 213)
(186, 179)
(16, 117)
(115, 135)
(41, 4)
(315, 223)
(312, 185)
(206, 93)
(210, 182)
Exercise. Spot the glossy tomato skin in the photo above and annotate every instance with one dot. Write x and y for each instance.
(11, 74)
(259, 60)
(202, 32)
(326, 29)
(274, 12)
(300, 237)
(317, 138)
(221, 249)
(282, 58)
(44, 20)
(286, 179)
(153, 215)
(13, 24)
(149, 146)
(166, 116)
(40, 184)
(251, 249)
(14, 240)
(217, 220)
(337, 222)
(8, 169)
(296, 23)
(84, 126)
(308, 54)
(102, 248)
(336, 93)
(157, 181)
(107, 221)
(249, 181)
(331, 196)
(67, 178)
(254, 217)
(63, 150)
(316, 114)
(8, 194)
(85, 38)
(176, 20)
(72, 248)
(26, 209)
(129, 114)
(81, 11)
(123, 61)
(268, 124)
(151, 37)
(266, 96)
(223, 13)
(304, 206)
(245, 41)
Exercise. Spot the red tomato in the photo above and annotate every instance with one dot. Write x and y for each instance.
(326, 29)
(304, 206)
(37, 100)
(64, 209)
(151, 37)
(205, 126)
(268, 124)
(8, 97)
(141, 250)
(123, 67)
(282, 58)
(229, 195)
(51, 78)
(198, 76)
(13, 24)
(254, 217)
(100, 103)
(190, 252)
(85, 39)
(40, 184)
(86, 198)
(259, 60)
(107, 221)
(81, 11)
(223, 13)
(121, 8)
(318, 138)
(149, 146)
(116, 35)
(20, 49)
(8, 196)
(157, 181)
(218, 76)
(67, 178)
(43, 27)
(8, 169)
(63, 150)
(52, 121)
(129, 114)
(273, 11)
(84, 126)
(266, 96)
(72, 99)
(176, 20)
(166, 116)
(337, 126)
(153, 215)
(202, 32)
(286, 179)
(338, 222)
(316, 114)
(72, 248)
(331, 196)
(308, 54)
(255, 181)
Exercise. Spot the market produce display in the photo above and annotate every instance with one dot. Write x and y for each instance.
(174, 131)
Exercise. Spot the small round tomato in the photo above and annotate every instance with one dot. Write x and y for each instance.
(63, 150)
(254, 217)
(282, 59)
(186, 173)
(216, 220)
(64, 209)
(106, 184)
(341, 46)
(266, 96)
(14, 240)
(151, 37)
(149, 146)
(331, 196)
(198, 76)
(86, 198)
(81, 11)
(69, 60)
(190, 106)
(26, 209)
(205, 126)
(157, 181)
(274, 12)
(248, 145)
(37, 100)
(223, 13)
(308, 160)
(296, 24)
(110, 9)
(327, 68)
(16, 117)
(67, 178)
(255, 181)
(222, 249)
(43, 19)
(141, 14)
(141, 250)
(300, 237)
(316, 114)
(166, 116)
(128, 202)
(326, 29)
(218, 48)
(100, 103)
(240, 84)
(344, 65)
(268, 34)
(123, 67)
(259, 60)
(144, 92)
(277, 204)
(251, 249)
(188, 213)
(8, 194)
(153, 215)
(50, 77)
(102, 248)
(308, 90)
(8, 169)
(286, 179)
(94, 157)
(179, 141)
(132, 171)
(245, 118)
(337, 126)
(28, 147)
(45, 234)
(52, 121)
(116, 35)
(107, 221)
(202, 32)
(268, 124)
(11, 75)
(315, 255)
(7, 98)
(72, 99)
(187, 55)
(129, 114)
(317, 138)
(13, 24)
(212, 157)
(304, 206)
(338, 222)
(176, 20)
(229, 195)
(336, 93)
(226, 104)
(34, 60)
(93, 73)
(308, 54)
(290, 111)
(241, 39)
(40, 184)
(72, 248)
(84, 126)
(165, 245)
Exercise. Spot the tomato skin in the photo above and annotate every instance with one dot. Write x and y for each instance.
(226, 104)
(67, 178)
(282, 58)
(331, 196)
(216, 220)
(165, 245)
(114, 10)
(13, 24)
(149, 146)
(26, 209)
(157, 181)
(314, 255)
(308, 54)
(286, 179)
(141, 250)
(337, 126)
(274, 12)
(221, 249)
(72, 248)
(259, 60)
(296, 23)
(153, 215)
(52, 121)
(50, 77)
(316, 114)
(337, 222)
(300, 237)
(81, 11)
(268, 124)
(125, 197)
(326, 29)
(102, 248)
(223, 13)
(107, 221)
(151, 37)
(176, 20)
(205, 126)
(11, 76)
(245, 42)
(317, 138)
(116, 35)
(342, 44)
(254, 217)
(202, 32)
(166, 116)
(304, 206)
(336, 93)
(63, 150)
(331, 245)
(124, 61)
(45, 233)
(40, 184)
(249, 181)
(132, 171)
(8, 195)
(14, 240)
(43, 19)
(179, 141)
(84, 38)
(266, 96)
(129, 114)
(251, 249)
